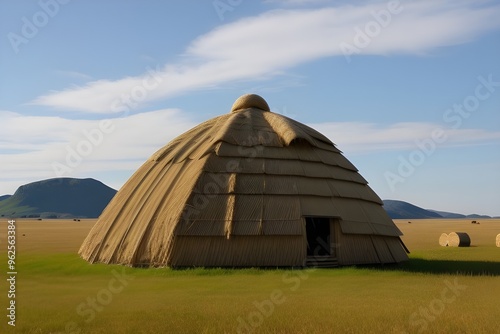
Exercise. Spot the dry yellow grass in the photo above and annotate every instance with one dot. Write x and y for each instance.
(49, 235)
(424, 234)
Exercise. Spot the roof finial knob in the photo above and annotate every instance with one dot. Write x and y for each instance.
(250, 101)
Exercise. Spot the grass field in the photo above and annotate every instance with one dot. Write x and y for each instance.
(440, 290)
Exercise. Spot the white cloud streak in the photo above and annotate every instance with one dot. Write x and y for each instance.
(30, 145)
(359, 138)
(266, 45)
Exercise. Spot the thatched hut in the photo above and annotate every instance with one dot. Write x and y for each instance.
(443, 239)
(458, 239)
(248, 188)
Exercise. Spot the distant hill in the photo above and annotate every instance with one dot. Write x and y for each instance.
(477, 216)
(58, 198)
(452, 215)
(404, 210)
(4, 197)
(449, 215)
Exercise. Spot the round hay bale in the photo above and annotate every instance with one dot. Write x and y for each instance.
(443, 240)
(458, 239)
(498, 240)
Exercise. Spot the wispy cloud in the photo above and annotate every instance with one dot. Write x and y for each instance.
(75, 75)
(358, 137)
(31, 144)
(266, 45)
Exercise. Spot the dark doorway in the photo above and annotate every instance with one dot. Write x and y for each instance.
(318, 236)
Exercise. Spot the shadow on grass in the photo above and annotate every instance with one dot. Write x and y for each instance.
(471, 268)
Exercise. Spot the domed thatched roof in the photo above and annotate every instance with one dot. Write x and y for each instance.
(250, 172)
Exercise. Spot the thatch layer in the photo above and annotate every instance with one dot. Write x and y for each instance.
(367, 249)
(458, 239)
(240, 251)
(246, 178)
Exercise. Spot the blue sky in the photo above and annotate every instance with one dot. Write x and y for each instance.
(409, 90)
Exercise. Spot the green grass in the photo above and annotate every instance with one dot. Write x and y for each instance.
(53, 290)
(351, 299)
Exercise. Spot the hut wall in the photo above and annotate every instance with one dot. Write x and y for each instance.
(238, 251)
(354, 248)
(367, 249)
(398, 252)
(383, 251)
